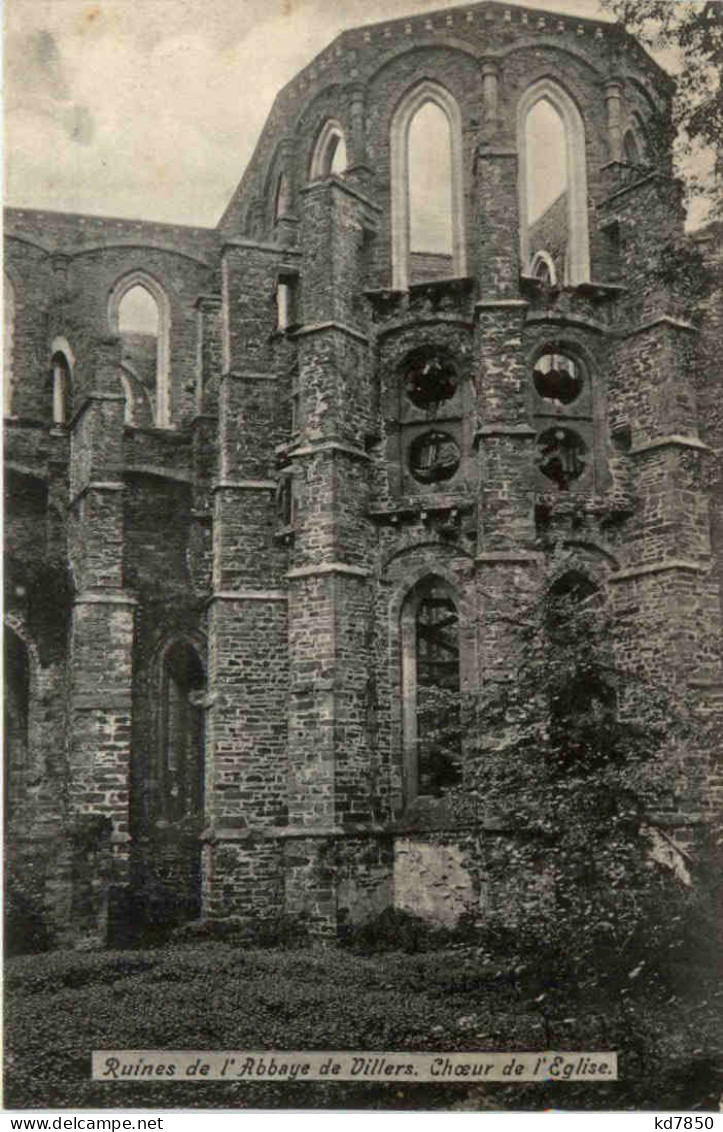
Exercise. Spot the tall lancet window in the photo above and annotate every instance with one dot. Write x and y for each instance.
(182, 759)
(430, 195)
(282, 203)
(428, 227)
(140, 314)
(60, 379)
(431, 687)
(553, 183)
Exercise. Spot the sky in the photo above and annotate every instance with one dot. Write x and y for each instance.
(151, 108)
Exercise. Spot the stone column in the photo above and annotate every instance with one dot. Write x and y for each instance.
(497, 224)
(330, 598)
(101, 645)
(245, 793)
(613, 101)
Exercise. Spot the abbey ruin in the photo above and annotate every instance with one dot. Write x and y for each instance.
(267, 482)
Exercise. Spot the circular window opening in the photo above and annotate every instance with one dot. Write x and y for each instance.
(433, 457)
(429, 378)
(562, 455)
(557, 378)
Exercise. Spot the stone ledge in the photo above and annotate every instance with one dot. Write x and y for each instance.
(158, 472)
(499, 556)
(503, 429)
(90, 598)
(310, 448)
(566, 319)
(328, 568)
(659, 320)
(501, 304)
(244, 485)
(660, 568)
(257, 245)
(317, 327)
(248, 595)
(672, 441)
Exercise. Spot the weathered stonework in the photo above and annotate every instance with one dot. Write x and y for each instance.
(210, 652)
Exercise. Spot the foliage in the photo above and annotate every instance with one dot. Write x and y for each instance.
(283, 931)
(567, 759)
(26, 927)
(694, 28)
(397, 930)
(61, 1005)
(681, 266)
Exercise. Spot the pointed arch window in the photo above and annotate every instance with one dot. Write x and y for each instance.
(329, 156)
(282, 202)
(431, 686)
(61, 387)
(140, 314)
(635, 145)
(430, 195)
(552, 180)
(543, 268)
(182, 756)
(427, 186)
(8, 336)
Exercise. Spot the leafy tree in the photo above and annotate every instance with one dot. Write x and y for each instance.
(694, 30)
(566, 761)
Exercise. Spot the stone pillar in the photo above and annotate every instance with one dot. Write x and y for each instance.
(358, 173)
(100, 654)
(287, 223)
(330, 600)
(490, 95)
(497, 223)
(613, 101)
(665, 572)
(505, 560)
(247, 682)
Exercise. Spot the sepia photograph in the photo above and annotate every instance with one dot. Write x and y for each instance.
(363, 555)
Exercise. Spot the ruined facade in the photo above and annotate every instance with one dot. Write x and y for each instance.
(248, 529)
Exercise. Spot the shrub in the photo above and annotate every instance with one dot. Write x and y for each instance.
(26, 927)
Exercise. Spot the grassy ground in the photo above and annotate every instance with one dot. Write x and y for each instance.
(60, 1006)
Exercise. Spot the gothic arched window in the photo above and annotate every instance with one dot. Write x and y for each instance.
(140, 314)
(543, 267)
(430, 194)
(630, 148)
(282, 203)
(431, 689)
(427, 187)
(182, 756)
(553, 180)
(60, 376)
(329, 156)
